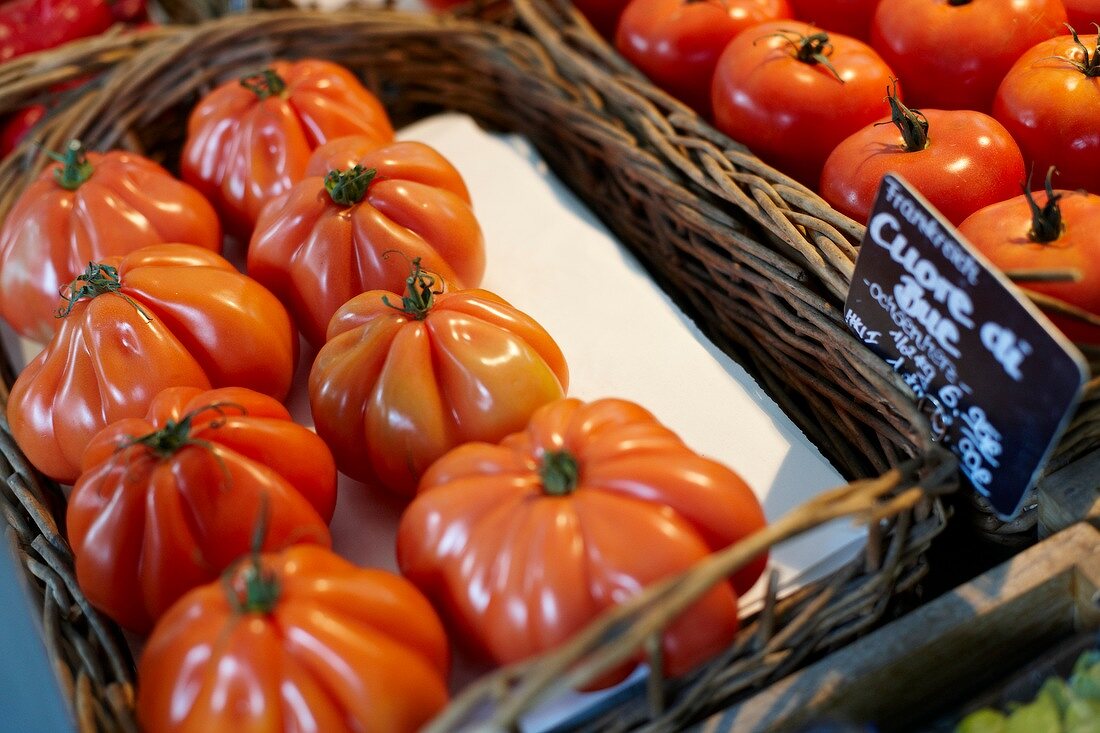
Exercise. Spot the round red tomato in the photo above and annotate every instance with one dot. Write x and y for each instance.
(166, 502)
(850, 17)
(1082, 13)
(676, 43)
(959, 160)
(402, 380)
(1051, 230)
(1049, 101)
(521, 544)
(170, 315)
(791, 93)
(83, 208)
(330, 237)
(952, 54)
(249, 140)
(300, 641)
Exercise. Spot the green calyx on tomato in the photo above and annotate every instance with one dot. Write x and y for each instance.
(1088, 64)
(911, 123)
(1046, 222)
(419, 294)
(559, 473)
(261, 589)
(810, 49)
(176, 434)
(75, 168)
(266, 83)
(97, 280)
(347, 188)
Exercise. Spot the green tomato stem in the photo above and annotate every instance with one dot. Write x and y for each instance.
(266, 83)
(95, 281)
(347, 188)
(559, 473)
(419, 292)
(1046, 222)
(75, 168)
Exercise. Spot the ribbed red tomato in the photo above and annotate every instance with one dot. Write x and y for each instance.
(403, 379)
(952, 54)
(1049, 101)
(1052, 231)
(676, 43)
(166, 502)
(791, 93)
(958, 159)
(170, 315)
(521, 544)
(81, 209)
(357, 221)
(250, 140)
(296, 641)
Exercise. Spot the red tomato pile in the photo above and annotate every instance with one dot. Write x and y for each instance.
(959, 96)
(199, 510)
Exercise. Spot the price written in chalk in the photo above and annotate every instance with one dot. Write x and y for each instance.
(996, 379)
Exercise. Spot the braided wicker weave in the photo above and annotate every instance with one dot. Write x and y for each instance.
(725, 235)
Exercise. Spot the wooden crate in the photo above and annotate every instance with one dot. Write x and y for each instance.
(938, 656)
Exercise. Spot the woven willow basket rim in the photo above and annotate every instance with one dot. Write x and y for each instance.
(147, 76)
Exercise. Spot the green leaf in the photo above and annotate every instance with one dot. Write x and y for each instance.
(1041, 716)
(1059, 692)
(986, 720)
(1082, 716)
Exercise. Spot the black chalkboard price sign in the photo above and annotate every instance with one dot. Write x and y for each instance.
(998, 380)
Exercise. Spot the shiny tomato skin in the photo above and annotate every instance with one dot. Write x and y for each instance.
(1050, 108)
(1082, 14)
(532, 568)
(147, 527)
(850, 17)
(343, 650)
(390, 393)
(970, 162)
(1000, 232)
(242, 150)
(676, 43)
(791, 113)
(51, 233)
(954, 56)
(200, 324)
(316, 254)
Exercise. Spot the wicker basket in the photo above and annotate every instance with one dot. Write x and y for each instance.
(769, 299)
(796, 223)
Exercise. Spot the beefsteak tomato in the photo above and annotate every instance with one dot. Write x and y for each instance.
(1052, 231)
(250, 140)
(326, 240)
(952, 54)
(402, 380)
(521, 544)
(170, 315)
(959, 160)
(301, 640)
(1048, 101)
(676, 43)
(86, 207)
(166, 502)
(791, 93)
